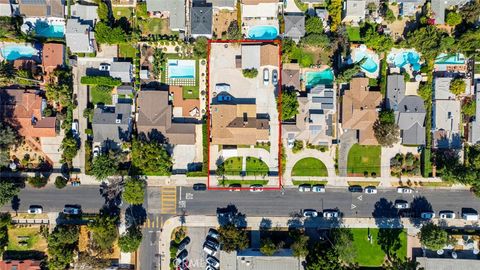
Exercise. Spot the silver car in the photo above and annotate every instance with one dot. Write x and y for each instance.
(405, 190)
(370, 190)
(318, 188)
(402, 204)
(328, 214)
(266, 76)
(310, 213)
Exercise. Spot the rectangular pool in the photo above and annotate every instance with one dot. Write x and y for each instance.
(181, 69)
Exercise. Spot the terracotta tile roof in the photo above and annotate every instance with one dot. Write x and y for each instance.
(190, 107)
(359, 110)
(269, 55)
(20, 265)
(52, 57)
(22, 109)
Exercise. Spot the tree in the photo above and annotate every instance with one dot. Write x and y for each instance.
(469, 42)
(105, 34)
(60, 182)
(401, 264)
(37, 181)
(24, 77)
(342, 244)
(8, 138)
(347, 73)
(454, 18)
(300, 244)
(317, 40)
(457, 86)
(250, 73)
(130, 241)
(289, 103)
(151, 157)
(134, 191)
(200, 47)
(7, 192)
(62, 243)
(385, 129)
(335, 8)
(375, 40)
(5, 221)
(323, 258)
(268, 247)
(313, 25)
(104, 232)
(233, 238)
(470, 11)
(429, 41)
(103, 11)
(159, 59)
(105, 165)
(69, 147)
(7, 73)
(433, 237)
(469, 107)
(233, 32)
(389, 16)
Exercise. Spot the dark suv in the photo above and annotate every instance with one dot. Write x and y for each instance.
(355, 189)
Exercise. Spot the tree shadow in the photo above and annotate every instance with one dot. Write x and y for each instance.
(135, 215)
(265, 224)
(15, 204)
(418, 206)
(390, 226)
(231, 215)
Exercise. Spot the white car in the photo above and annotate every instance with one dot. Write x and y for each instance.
(310, 213)
(266, 76)
(318, 188)
(290, 143)
(104, 67)
(35, 209)
(446, 214)
(213, 234)
(402, 205)
(305, 188)
(405, 190)
(330, 214)
(209, 250)
(427, 215)
(96, 151)
(75, 127)
(212, 261)
(256, 188)
(370, 190)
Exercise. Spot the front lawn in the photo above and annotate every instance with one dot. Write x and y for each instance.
(100, 94)
(26, 238)
(126, 50)
(309, 167)
(233, 166)
(371, 254)
(119, 12)
(364, 160)
(254, 166)
(244, 183)
(354, 33)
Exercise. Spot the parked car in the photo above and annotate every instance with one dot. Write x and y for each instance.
(355, 189)
(370, 190)
(199, 187)
(182, 264)
(399, 204)
(212, 242)
(256, 188)
(183, 244)
(290, 143)
(104, 67)
(212, 261)
(318, 188)
(72, 210)
(213, 234)
(405, 190)
(305, 188)
(331, 214)
(182, 255)
(310, 213)
(209, 267)
(235, 187)
(446, 214)
(274, 77)
(96, 151)
(75, 127)
(209, 249)
(35, 209)
(265, 76)
(470, 216)
(427, 215)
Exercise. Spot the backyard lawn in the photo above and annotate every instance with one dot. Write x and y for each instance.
(191, 92)
(254, 166)
(99, 94)
(119, 12)
(29, 238)
(127, 50)
(309, 167)
(353, 33)
(371, 254)
(364, 160)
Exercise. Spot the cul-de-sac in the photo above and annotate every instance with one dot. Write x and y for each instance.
(239, 134)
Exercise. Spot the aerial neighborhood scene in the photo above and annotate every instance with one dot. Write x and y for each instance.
(240, 134)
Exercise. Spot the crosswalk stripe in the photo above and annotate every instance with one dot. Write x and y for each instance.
(168, 200)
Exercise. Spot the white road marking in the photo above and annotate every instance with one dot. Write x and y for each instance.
(360, 197)
(353, 206)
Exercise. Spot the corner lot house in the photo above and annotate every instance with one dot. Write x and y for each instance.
(409, 111)
(174, 10)
(359, 110)
(79, 37)
(201, 19)
(112, 125)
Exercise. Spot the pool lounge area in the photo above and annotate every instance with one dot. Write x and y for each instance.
(402, 58)
(14, 51)
(372, 62)
(262, 32)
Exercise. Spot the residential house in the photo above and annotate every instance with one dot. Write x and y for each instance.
(41, 8)
(79, 36)
(250, 259)
(124, 90)
(20, 265)
(112, 125)
(5, 8)
(264, 9)
(475, 125)
(314, 122)
(201, 19)
(23, 109)
(360, 110)
(183, 107)
(124, 3)
(409, 111)
(53, 56)
(87, 14)
(291, 76)
(223, 4)
(257, 55)
(439, 6)
(446, 115)
(174, 10)
(122, 70)
(235, 122)
(354, 11)
(409, 8)
(294, 26)
(155, 117)
(447, 263)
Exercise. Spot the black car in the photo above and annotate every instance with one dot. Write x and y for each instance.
(182, 255)
(183, 244)
(199, 187)
(355, 189)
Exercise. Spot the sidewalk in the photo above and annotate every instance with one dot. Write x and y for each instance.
(254, 223)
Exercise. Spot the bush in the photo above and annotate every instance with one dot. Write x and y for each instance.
(60, 182)
(37, 181)
(250, 73)
(100, 80)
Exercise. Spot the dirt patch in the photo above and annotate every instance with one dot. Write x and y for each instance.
(319, 55)
(84, 241)
(28, 154)
(221, 21)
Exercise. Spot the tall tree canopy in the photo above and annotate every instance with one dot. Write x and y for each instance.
(150, 156)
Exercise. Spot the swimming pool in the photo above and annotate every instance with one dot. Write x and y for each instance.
(263, 32)
(44, 29)
(450, 59)
(15, 51)
(314, 78)
(406, 57)
(369, 65)
(181, 69)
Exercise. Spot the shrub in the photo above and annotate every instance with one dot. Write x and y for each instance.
(100, 80)
(60, 182)
(37, 181)
(250, 73)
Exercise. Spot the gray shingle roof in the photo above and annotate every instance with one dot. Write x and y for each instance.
(294, 25)
(78, 36)
(86, 13)
(395, 90)
(448, 264)
(121, 70)
(112, 123)
(176, 8)
(201, 18)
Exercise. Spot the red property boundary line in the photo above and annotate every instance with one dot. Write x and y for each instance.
(279, 109)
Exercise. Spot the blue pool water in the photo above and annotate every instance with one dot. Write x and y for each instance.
(43, 29)
(319, 77)
(181, 69)
(450, 59)
(404, 58)
(14, 52)
(369, 65)
(263, 32)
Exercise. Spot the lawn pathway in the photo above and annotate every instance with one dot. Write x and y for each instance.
(244, 164)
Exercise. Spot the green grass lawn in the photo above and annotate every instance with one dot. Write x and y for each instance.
(364, 159)
(309, 167)
(22, 239)
(127, 50)
(191, 92)
(233, 166)
(99, 95)
(119, 12)
(254, 166)
(354, 33)
(371, 254)
(228, 182)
